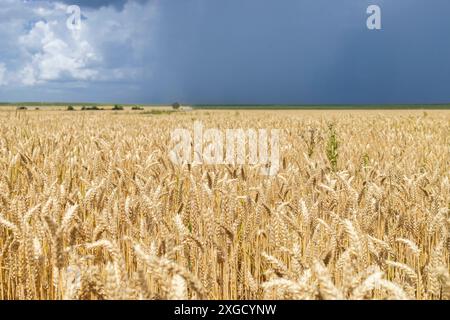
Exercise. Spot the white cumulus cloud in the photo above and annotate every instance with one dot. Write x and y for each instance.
(38, 48)
(52, 57)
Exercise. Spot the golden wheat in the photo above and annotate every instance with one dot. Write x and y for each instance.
(91, 207)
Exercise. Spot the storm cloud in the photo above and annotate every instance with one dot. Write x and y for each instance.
(235, 51)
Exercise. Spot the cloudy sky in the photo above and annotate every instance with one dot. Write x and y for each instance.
(233, 51)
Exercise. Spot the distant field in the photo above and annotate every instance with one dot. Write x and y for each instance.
(59, 105)
(325, 107)
(77, 107)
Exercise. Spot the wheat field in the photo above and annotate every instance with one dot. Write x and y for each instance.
(91, 207)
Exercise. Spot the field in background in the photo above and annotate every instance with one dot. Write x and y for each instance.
(77, 107)
(106, 106)
(92, 208)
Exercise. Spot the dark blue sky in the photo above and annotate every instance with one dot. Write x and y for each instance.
(252, 51)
